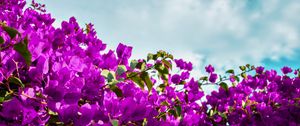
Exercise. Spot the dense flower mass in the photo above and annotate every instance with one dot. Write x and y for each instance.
(64, 76)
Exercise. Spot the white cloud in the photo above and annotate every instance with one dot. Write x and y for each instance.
(221, 32)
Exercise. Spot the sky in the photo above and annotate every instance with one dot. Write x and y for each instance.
(224, 33)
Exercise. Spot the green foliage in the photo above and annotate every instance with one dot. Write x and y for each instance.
(242, 68)
(136, 79)
(167, 64)
(1, 40)
(145, 77)
(22, 49)
(237, 78)
(10, 31)
(114, 122)
(133, 64)
(141, 65)
(244, 75)
(231, 71)
(162, 71)
(116, 90)
(109, 75)
(16, 81)
(178, 110)
(224, 86)
(204, 78)
(121, 69)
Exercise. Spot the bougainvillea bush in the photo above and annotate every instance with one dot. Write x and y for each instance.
(66, 76)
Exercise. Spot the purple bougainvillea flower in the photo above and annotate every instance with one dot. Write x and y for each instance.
(87, 112)
(260, 69)
(295, 72)
(13, 109)
(123, 53)
(213, 77)
(189, 66)
(68, 112)
(286, 70)
(176, 79)
(29, 114)
(180, 63)
(209, 69)
(43, 64)
(185, 75)
(110, 60)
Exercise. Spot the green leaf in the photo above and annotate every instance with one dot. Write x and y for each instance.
(111, 76)
(113, 82)
(1, 99)
(243, 68)
(121, 69)
(167, 64)
(204, 78)
(231, 71)
(212, 112)
(244, 75)
(10, 31)
(54, 120)
(224, 86)
(223, 115)
(165, 77)
(145, 77)
(8, 96)
(141, 65)
(162, 87)
(16, 80)
(138, 81)
(149, 57)
(162, 115)
(161, 53)
(182, 82)
(145, 122)
(178, 110)
(50, 112)
(165, 103)
(237, 78)
(114, 122)
(155, 57)
(173, 112)
(133, 64)
(3, 92)
(170, 56)
(162, 70)
(104, 73)
(116, 90)
(1, 40)
(22, 49)
(248, 66)
(244, 104)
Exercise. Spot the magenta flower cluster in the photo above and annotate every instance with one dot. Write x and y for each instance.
(65, 76)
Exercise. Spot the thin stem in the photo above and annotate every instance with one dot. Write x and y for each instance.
(225, 79)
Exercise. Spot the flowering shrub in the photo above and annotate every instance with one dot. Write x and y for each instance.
(62, 76)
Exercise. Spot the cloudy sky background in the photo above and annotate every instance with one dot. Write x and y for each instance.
(224, 33)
